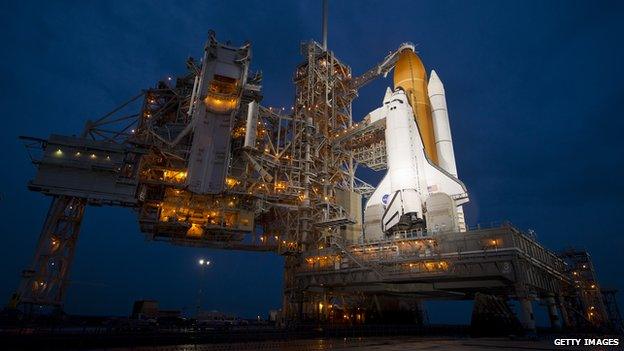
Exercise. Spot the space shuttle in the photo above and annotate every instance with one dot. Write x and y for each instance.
(420, 190)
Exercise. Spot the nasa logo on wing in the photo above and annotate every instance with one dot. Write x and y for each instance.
(384, 199)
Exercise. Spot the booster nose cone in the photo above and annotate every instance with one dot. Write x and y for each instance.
(410, 75)
(435, 85)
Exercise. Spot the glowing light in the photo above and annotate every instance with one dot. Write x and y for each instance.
(231, 182)
(222, 96)
(195, 230)
(281, 185)
(58, 153)
(176, 176)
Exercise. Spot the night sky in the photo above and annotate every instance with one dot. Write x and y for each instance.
(534, 91)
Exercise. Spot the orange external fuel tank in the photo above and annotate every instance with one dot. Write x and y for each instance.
(410, 75)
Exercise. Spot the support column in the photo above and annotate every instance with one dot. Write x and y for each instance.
(421, 312)
(564, 311)
(45, 282)
(526, 314)
(555, 321)
(292, 301)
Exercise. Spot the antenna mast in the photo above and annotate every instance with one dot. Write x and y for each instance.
(325, 15)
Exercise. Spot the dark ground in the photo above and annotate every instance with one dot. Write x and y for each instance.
(378, 337)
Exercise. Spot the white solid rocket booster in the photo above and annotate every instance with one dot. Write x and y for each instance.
(441, 126)
(442, 133)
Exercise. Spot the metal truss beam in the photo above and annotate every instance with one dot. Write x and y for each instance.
(45, 281)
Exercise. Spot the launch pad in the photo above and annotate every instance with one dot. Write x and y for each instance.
(204, 164)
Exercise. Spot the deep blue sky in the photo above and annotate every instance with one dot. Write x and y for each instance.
(534, 91)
